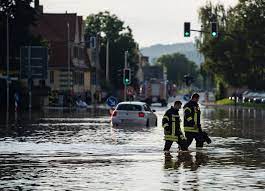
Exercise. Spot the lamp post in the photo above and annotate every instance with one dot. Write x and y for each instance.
(7, 68)
(107, 60)
(125, 67)
(68, 55)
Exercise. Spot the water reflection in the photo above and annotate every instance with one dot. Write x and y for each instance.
(80, 151)
(186, 160)
(235, 122)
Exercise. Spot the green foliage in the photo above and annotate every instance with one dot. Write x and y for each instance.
(237, 55)
(177, 66)
(120, 37)
(227, 101)
(220, 94)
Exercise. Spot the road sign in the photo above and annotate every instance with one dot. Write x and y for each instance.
(112, 101)
(130, 90)
(34, 62)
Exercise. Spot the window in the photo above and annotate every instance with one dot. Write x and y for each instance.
(129, 107)
(81, 78)
(147, 108)
(75, 52)
(51, 77)
(81, 54)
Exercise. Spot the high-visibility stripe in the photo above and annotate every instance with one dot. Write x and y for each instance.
(165, 125)
(170, 138)
(175, 115)
(189, 119)
(187, 109)
(173, 128)
(196, 118)
(182, 137)
(191, 129)
(166, 117)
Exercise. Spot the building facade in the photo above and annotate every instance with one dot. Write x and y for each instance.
(68, 63)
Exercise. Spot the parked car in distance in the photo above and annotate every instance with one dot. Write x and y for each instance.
(133, 114)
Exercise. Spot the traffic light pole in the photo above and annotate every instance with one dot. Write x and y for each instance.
(29, 78)
(219, 32)
(107, 61)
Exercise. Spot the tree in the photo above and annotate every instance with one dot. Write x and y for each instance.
(236, 57)
(21, 16)
(110, 27)
(177, 66)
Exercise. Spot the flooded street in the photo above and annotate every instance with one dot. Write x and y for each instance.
(78, 151)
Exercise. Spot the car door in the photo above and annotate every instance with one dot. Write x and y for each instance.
(151, 116)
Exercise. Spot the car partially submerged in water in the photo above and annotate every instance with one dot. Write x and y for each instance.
(133, 114)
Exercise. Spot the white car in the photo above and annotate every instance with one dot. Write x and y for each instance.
(133, 114)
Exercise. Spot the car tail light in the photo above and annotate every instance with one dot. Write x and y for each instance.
(141, 114)
(114, 113)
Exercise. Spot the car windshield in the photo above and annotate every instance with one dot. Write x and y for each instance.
(129, 107)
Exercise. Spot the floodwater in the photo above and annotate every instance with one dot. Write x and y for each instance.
(80, 151)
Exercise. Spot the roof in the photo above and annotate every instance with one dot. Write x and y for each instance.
(133, 102)
(53, 27)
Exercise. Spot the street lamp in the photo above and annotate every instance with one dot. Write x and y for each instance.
(107, 55)
(7, 67)
(68, 54)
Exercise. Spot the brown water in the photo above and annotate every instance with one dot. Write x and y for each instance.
(80, 151)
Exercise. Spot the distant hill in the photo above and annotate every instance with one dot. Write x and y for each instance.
(187, 49)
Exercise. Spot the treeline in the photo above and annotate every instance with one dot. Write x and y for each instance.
(177, 66)
(237, 56)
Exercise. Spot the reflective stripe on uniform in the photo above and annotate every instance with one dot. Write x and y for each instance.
(189, 119)
(182, 137)
(187, 109)
(170, 138)
(196, 118)
(166, 117)
(191, 129)
(173, 126)
(165, 125)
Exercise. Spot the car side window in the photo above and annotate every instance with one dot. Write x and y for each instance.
(147, 108)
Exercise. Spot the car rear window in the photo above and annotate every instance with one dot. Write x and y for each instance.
(129, 107)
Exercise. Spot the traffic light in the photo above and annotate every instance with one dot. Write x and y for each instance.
(127, 76)
(214, 29)
(187, 29)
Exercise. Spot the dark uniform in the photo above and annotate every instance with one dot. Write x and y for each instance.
(172, 131)
(192, 125)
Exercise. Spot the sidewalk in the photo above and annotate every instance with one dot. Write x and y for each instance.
(100, 106)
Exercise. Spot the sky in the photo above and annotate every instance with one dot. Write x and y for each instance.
(152, 21)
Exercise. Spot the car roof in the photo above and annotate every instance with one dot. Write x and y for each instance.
(133, 103)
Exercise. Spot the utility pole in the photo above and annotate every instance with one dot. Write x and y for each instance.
(125, 67)
(68, 55)
(107, 61)
(7, 68)
(29, 78)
